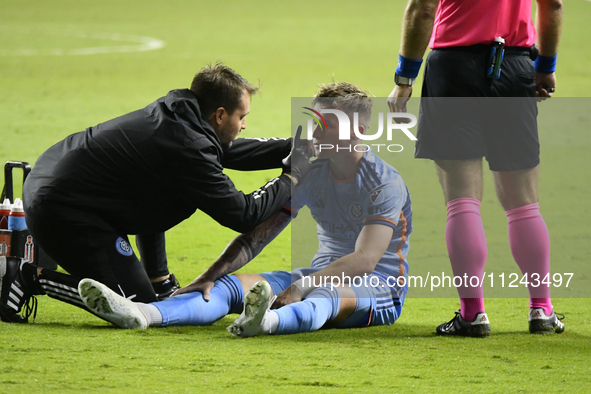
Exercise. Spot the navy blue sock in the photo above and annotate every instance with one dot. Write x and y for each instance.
(192, 310)
(321, 306)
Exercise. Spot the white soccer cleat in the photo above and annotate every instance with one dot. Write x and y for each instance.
(110, 306)
(257, 302)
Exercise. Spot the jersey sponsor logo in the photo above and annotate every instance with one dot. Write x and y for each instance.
(341, 230)
(373, 196)
(123, 247)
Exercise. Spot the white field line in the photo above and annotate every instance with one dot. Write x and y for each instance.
(143, 44)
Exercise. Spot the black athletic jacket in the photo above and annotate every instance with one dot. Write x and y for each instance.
(147, 171)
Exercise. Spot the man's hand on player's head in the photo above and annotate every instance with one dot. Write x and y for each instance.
(202, 284)
(298, 164)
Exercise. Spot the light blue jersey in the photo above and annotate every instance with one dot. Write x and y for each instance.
(376, 194)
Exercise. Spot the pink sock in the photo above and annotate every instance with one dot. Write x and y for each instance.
(466, 245)
(530, 246)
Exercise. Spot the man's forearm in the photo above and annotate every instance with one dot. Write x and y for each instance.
(245, 247)
(356, 264)
(249, 154)
(548, 26)
(417, 26)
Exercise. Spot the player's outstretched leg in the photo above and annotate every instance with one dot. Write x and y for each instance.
(479, 327)
(540, 323)
(253, 320)
(110, 306)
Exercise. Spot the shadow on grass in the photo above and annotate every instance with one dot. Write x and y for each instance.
(396, 331)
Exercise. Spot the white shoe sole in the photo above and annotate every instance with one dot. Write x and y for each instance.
(256, 303)
(110, 306)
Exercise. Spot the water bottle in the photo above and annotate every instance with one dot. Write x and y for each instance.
(5, 208)
(16, 220)
(18, 227)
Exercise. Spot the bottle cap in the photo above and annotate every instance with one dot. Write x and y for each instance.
(17, 206)
(6, 205)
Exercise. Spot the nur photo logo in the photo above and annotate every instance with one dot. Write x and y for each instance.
(344, 128)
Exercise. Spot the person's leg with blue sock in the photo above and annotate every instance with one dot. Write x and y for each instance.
(323, 305)
(186, 309)
(191, 309)
(341, 307)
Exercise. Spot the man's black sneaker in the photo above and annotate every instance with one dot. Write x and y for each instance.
(15, 293)
(479, 327)
(165, 288)
(540, 323)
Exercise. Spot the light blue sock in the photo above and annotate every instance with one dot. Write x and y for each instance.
(192, 310)
(311, 314)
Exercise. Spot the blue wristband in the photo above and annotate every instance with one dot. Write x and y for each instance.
(545, 64)
(408, 68)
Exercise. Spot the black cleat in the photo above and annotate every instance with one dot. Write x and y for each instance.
(15, 293)
(165, 288)
(478, 328)
(540, 323)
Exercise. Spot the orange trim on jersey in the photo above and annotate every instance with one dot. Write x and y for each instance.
(289, 209)
(341, 181)
(403, 238)
(370, 314)
(384, 219)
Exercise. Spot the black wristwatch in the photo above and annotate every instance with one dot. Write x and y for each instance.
(400, 80)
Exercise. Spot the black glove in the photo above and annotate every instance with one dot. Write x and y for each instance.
(297, 163)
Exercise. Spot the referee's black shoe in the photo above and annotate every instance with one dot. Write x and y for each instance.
(16, 293)
(540, 323)
(479, 327)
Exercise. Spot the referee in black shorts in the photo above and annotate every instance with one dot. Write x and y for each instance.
(479, 99)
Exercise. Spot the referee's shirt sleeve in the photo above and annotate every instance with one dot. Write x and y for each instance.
(203, 184)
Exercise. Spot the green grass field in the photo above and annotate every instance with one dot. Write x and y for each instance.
(50, 89)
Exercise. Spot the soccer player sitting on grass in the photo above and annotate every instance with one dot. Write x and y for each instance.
(362, 208)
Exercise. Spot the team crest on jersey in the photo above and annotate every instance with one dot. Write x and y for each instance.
(123, 247)
(373, 196)
(355, 210)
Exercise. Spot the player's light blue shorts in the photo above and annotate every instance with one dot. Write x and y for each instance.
(376, 306)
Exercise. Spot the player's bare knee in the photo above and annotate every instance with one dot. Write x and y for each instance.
(248, 280)
(348, 304)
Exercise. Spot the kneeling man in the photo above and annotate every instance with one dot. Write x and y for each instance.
(364, 220)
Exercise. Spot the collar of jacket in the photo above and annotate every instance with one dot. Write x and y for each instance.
(184, 103)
